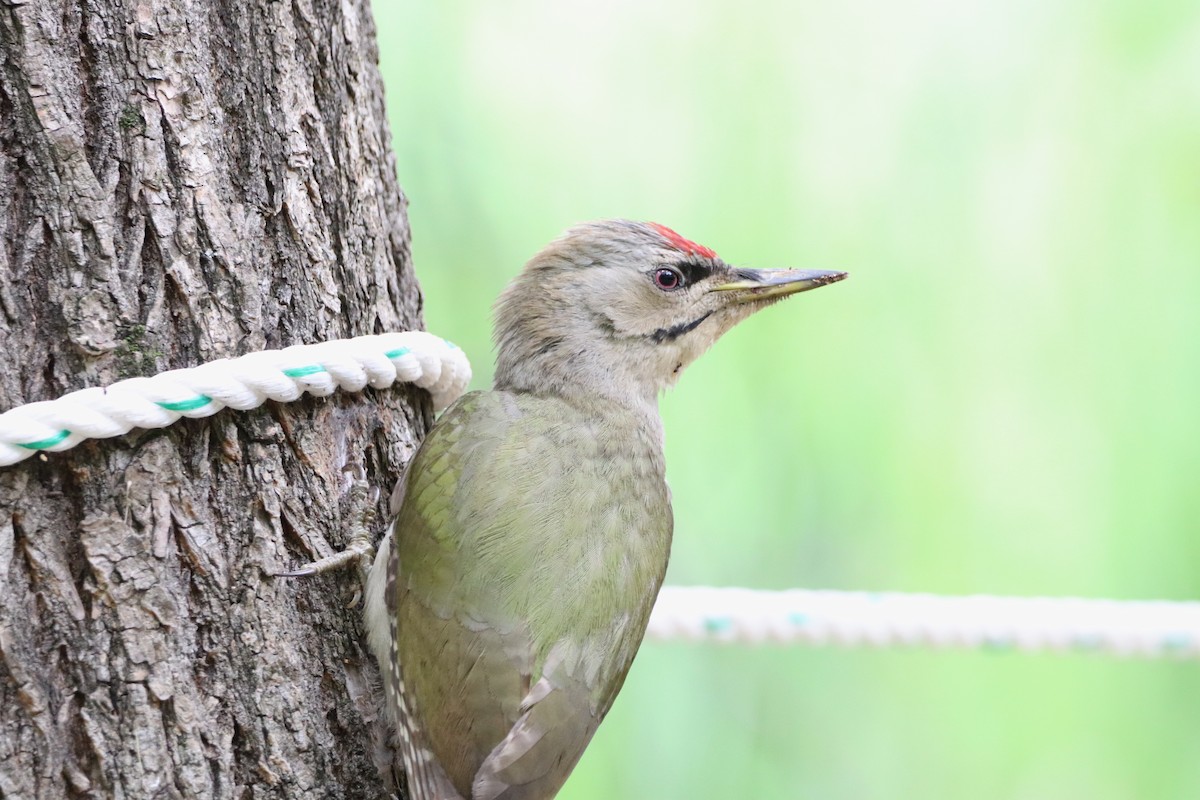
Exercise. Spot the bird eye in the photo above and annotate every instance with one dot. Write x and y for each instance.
(667, 279)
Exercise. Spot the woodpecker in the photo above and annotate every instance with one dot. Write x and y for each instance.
(533, 525)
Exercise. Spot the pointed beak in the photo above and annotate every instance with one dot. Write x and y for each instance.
(762, 284)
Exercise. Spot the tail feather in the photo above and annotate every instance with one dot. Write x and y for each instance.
(426, 778)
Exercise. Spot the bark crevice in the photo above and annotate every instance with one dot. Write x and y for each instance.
(183, 180)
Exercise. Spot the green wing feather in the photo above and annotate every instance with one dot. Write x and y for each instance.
(529, 548)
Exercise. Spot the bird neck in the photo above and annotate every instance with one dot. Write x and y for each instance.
(550, 343)
(582, 381)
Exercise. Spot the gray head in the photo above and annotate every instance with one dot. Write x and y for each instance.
(617, 309)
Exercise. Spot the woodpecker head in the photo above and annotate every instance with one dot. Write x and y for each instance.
(619, 308)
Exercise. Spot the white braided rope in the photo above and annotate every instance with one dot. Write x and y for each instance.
(796, 616)
(746, 616)
(242, 383)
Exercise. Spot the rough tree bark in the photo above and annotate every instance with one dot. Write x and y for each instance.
(182, 180)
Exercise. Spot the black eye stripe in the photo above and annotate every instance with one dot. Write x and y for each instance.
(692, 271)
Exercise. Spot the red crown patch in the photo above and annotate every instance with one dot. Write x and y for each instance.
(682, 244)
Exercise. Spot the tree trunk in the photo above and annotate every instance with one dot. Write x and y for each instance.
(182, 180)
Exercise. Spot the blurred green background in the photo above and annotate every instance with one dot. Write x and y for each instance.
(1003, 398)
